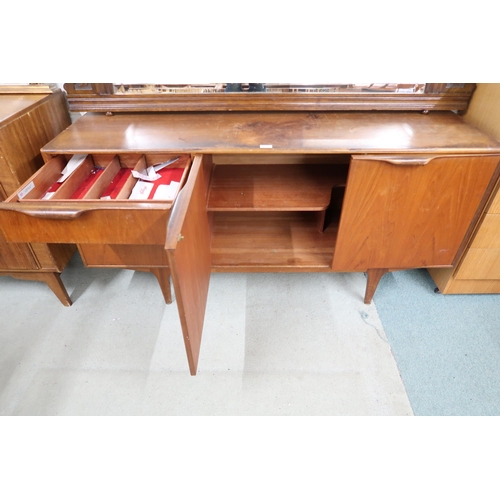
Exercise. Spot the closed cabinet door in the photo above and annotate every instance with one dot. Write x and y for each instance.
(408, 212)
(15, 256)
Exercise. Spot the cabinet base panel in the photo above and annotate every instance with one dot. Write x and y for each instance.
(269, 269)
(448, 285)
(271, 242)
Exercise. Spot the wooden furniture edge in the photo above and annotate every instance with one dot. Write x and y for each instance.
(46, 97)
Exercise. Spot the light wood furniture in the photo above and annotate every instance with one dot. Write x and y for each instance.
(268, 192)
(478, 270)
(28, 122)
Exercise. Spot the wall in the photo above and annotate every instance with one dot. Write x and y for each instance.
(484, 109)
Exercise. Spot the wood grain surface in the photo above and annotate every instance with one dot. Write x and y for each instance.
(321, 132)
(479, 268)
(28, 122)
(22, 138)
(480, 264)
(271, 242)
(188, 249)
(127, 256)
(274, 187)
(409, 216)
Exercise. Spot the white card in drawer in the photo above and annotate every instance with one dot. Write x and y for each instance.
(48, 196)
(166, 191)
(73, 164)
(141, 190)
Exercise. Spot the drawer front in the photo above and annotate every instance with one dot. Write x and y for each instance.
(109, 225)
(124, 255)
(29, 216)
(480, 264)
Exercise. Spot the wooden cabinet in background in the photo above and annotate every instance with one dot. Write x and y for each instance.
(27, 123)
(479, 268)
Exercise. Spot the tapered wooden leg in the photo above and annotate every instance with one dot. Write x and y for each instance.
(163, 276)
(374, 276)
(52, 279)
(57, 286)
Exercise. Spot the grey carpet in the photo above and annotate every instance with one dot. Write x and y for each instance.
(447, 347)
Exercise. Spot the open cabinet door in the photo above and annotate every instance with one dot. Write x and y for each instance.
(188, 249)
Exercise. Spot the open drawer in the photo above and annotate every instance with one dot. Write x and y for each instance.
(97, 198)
(180, 227)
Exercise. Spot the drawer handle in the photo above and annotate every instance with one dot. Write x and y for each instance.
(56, 215)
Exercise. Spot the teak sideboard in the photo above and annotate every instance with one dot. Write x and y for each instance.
(265, 192)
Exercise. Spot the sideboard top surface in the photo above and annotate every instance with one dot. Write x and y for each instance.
(275, 132)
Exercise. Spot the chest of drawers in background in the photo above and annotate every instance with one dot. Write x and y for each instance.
(27, 122)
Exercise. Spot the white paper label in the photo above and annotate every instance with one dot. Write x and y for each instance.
(266, 146)
(166, 191)
(26, 190)
(141, 191)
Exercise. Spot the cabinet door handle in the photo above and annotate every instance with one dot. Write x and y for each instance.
(408, 162)
(398, 160)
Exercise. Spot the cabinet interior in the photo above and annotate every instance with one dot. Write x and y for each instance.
(275, 211)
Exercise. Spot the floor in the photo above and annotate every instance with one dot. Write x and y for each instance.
(447, 347)
(273, 344)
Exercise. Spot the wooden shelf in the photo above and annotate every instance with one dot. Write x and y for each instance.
(271, 241)
(274, 187)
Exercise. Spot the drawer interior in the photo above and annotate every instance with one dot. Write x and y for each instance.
(90, 177)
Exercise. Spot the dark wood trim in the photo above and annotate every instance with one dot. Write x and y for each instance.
(100, 98)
